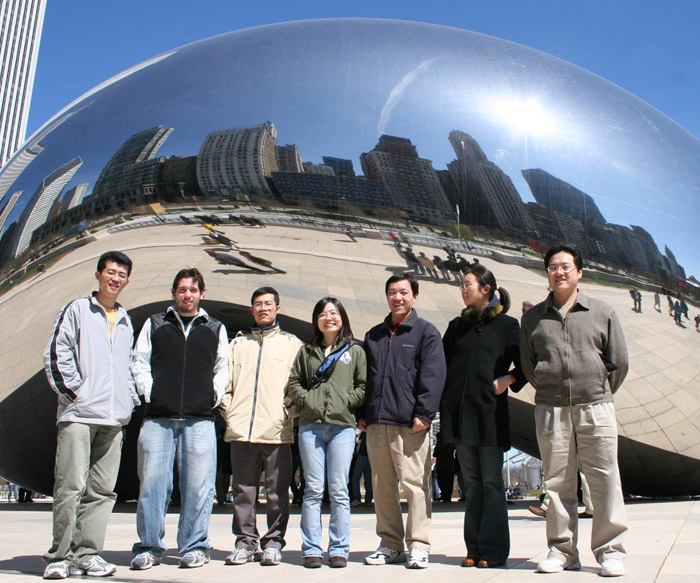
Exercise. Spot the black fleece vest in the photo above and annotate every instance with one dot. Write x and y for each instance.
(183, 368)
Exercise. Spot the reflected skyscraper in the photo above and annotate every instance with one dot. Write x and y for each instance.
(485, 193)
(342, 167)
(20, 35)
(556, 194)
(411, 182)
(132, 164)
(37, 211)
(8, 208)
(238, 161)
(74, 196)
(288, 159)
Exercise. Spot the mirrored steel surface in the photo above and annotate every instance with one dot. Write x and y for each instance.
(367, 126)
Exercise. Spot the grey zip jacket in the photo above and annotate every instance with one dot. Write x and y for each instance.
(565, 359)
(89, 370)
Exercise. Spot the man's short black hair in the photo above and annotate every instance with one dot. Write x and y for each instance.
(405, 276)
(116, 257)
(261, 291)
(578, 258)
(192, 272)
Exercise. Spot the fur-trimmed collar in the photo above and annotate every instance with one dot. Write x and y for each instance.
(471, 314)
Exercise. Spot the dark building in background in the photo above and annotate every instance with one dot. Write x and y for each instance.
(329, 191)
(341, 166)
(179, 177)
(411, 182)
(289, 159)
(485, 194)
(556, 194)
(133, 164)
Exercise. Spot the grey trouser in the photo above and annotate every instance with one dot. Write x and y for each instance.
(87, 464)
(589, 433)
(401, 458)
(248, 461)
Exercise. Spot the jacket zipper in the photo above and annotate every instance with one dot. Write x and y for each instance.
(255, 388)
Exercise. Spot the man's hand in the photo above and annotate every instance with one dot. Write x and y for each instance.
(362, 425)
(501, 384)
(419, 425)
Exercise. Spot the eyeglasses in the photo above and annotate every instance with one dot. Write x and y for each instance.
(564, 268)
(328, 315)
(261, 305)
(466, 286)
(121, 275)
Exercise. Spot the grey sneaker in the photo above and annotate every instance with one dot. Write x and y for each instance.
(96, 567)
(194, 559)
(384, 556)
(240, 557)
(271, 556)
(144, 561)
(418, 559)
(60, 570)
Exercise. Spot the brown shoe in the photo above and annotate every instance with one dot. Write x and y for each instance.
(313, 562)
(470, 562)
(537, 511)
(483, 564)
(338, 562)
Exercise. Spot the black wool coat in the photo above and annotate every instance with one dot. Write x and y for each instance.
(479, 348)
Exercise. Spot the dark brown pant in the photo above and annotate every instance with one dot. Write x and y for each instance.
(248, 461)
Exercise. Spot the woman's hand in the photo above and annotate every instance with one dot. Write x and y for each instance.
(501, 384)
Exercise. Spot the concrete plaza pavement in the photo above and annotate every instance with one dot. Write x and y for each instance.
(663, 547)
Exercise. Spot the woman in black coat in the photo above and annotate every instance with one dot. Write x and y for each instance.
(483, 361)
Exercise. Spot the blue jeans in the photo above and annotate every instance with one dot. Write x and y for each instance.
(194, 442)
(362, 468)
(486, 532)
(326, 449)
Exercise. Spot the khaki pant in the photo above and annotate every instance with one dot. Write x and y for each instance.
(587, 433)
(87, 464)
(400, 458)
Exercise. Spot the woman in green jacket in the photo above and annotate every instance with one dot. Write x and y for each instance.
(328, 384)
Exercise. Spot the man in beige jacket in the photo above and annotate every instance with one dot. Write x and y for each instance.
(259, 418)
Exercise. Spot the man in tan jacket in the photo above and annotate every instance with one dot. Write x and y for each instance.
(259, 418)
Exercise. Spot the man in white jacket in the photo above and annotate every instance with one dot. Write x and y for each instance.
(259, 426)
(87, 364)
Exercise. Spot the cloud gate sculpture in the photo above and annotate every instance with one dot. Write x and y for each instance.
(309, 146)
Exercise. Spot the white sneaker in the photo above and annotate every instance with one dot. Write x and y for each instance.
(418, 559)
(384, 556)
(96, 567)
(60, 570)
(144, 560)
(612, 568)
(271, 556)
(558, 563)
(240, 557)
(194, 559)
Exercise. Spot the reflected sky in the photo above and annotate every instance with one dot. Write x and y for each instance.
(333, 86)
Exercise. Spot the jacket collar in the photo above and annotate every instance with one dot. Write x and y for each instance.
(93, 300)
(581, 300)
(407, 323)
(172, 314)
(471, 314)
(267, 331)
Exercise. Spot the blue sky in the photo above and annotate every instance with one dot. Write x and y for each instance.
(648, 48)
